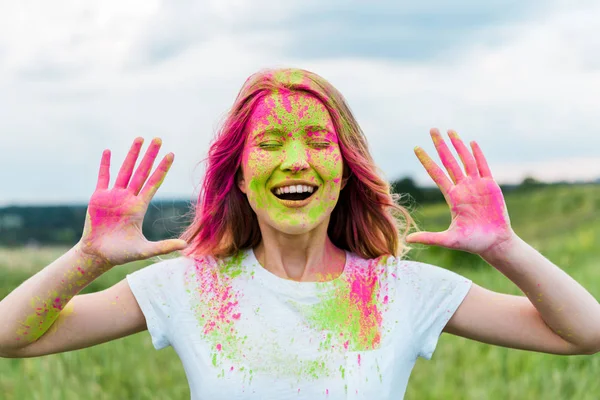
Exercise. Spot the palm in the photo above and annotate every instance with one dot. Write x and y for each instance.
(114, 220)
(479, 217)
(113, 227)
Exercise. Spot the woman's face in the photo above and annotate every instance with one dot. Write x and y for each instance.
(291, 165)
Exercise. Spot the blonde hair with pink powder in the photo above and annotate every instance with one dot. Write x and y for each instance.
(367, 219)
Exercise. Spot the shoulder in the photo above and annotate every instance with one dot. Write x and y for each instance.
(402, 271)
(163, 271)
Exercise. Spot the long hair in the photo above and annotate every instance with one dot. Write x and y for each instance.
(366, 219)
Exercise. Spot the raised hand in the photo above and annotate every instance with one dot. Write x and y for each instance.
(479, 217)
(113, 226)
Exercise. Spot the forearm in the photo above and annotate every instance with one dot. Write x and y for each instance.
(31, 309)
(566, 306)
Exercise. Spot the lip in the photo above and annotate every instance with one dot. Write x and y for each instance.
(295, 203)
(294, 182)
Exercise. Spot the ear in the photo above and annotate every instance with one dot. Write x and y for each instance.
(345, 177)
(344, 182)
(239, 176)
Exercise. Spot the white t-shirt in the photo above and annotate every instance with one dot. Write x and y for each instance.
(243, 333)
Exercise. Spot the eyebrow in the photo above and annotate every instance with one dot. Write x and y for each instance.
(280, 132)
(315, 128)
(271, 131)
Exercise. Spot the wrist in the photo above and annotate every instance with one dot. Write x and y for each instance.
(91, 258)
(503, 250)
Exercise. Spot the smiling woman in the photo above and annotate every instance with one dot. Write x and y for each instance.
(292, 282)
(286, 128)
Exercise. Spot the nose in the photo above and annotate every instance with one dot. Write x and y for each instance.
(295, 158)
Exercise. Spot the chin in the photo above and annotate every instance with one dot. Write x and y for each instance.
(295, 229)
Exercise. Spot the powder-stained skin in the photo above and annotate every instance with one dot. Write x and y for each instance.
(112, 235)
(479, 216)
(291, 133)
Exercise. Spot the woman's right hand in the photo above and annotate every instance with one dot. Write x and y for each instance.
(113, 225)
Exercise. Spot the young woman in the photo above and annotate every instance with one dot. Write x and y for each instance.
(292, 283)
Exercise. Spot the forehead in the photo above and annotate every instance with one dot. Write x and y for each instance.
(290, 108)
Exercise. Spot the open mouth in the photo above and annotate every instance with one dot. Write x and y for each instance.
(295, 192)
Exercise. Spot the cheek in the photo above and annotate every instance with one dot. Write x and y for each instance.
(258, 164)
(329, 164)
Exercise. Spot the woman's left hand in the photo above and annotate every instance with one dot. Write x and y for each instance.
(479, 218)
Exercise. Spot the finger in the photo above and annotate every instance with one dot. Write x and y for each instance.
(465, 155)
(430, 238)
(143, 170)
(435, 172)
(157, 178)
(104, 173)
(484, 169)
(127, 167)
(446, 156)
(165, 247)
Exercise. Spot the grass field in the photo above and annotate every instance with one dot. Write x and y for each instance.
(562, 222)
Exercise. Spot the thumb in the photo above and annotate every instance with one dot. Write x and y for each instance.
(429, 238)
(166, 247)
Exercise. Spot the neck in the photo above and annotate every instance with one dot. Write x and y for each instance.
(308, 257)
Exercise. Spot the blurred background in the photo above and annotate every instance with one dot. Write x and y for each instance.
(520, 77)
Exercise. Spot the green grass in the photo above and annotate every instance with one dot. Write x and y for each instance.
(561, 222)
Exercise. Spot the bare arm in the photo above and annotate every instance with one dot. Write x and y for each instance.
(86, 321)
(44, 315)
(30, 310)
(557, 315)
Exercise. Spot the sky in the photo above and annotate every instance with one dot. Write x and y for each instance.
(522, 78)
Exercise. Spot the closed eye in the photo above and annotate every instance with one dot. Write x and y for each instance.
(320, 145)
(269, 145)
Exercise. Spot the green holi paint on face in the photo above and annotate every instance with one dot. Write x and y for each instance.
(291, 137)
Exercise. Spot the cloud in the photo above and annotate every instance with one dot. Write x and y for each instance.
(530, 97)
(415, 31)
(80, 78)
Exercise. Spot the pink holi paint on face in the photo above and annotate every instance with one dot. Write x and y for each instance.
(291, 137)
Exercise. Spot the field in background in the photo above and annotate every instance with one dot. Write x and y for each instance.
(562, 222)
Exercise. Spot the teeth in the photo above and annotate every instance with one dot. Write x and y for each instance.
(295, 189)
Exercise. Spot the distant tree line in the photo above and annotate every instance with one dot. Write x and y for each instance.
(63, 225)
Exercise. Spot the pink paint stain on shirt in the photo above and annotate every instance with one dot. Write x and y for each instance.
(363, 294)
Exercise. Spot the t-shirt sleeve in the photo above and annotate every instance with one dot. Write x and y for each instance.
(438, 293)
(154, 288)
